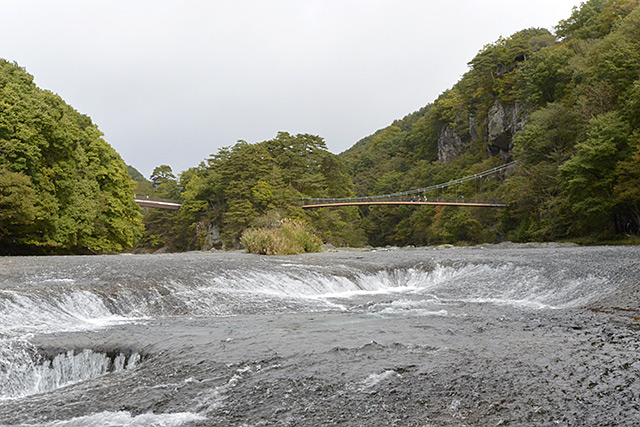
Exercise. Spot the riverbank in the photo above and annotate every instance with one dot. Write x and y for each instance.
(631, 241)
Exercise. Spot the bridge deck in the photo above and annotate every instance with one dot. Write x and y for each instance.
(402, 202)
(173, 205)
(148, 203)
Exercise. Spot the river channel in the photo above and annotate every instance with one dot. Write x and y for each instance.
(486, 335)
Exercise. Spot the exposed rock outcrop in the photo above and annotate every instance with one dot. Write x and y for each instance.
(503, 123)
(212, 238)
(450, 144)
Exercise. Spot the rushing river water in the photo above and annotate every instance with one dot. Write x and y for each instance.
(426, 337)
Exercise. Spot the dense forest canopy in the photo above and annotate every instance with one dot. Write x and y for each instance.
(63, 189)
(565, 106)
(252, 185)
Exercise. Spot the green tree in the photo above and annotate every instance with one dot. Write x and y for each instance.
(627, 187)
(83, 195)
(589, 175)
(144, 187)
(594, 19)
(165, 182)
(546, 76)
(17, 210)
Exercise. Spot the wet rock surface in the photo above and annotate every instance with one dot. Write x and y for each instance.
(500, 336)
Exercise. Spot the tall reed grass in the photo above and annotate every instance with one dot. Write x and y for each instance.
(290, 237)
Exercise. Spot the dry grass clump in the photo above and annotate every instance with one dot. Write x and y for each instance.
(290, 237)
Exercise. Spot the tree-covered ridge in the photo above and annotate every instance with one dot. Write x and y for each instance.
(63, 189)
(252, 185)
(566, 106)
(585, 140)
(144, 188)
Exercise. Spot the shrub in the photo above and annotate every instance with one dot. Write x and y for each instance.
(290, 237)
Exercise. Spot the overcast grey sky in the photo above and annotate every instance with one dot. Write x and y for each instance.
(169, 82)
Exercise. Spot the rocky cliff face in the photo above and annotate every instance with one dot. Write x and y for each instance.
(450, 144)
(502, 123)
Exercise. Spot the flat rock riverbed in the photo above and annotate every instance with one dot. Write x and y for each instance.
(453, 336)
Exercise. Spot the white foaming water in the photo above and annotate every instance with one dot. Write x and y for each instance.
(125, 419)
(72, 311)
(408, 308)
(375, 379)
(23, 372)
(521, 286)
(313, 285)
(508, 284)
(68, 308)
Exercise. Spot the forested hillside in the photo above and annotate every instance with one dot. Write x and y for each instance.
(63, 189)
(252, 186)
(566, 106)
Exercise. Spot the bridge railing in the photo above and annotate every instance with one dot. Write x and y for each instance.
(154, 199)
(390, 198)
(418, 192)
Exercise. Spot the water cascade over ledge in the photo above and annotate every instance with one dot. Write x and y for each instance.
(381, 336)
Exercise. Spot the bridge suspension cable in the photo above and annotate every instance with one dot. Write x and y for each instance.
(418, 190)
